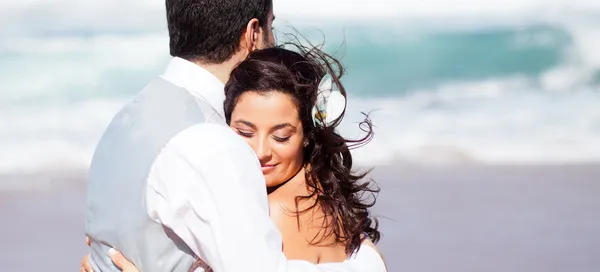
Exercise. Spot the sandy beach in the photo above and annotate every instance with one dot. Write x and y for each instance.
(460, 218)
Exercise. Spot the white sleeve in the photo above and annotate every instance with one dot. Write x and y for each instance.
(206, 185)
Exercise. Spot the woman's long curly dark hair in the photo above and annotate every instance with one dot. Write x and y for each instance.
(343, 195)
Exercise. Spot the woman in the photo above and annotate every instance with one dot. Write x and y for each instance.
(287, 106)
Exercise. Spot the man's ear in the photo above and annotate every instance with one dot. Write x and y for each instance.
(251, 34)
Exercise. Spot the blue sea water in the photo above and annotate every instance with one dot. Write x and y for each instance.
(489, 93)
(404, 63)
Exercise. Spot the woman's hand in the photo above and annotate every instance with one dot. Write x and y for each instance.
(121, 262)
(85, 264)
(118, 259)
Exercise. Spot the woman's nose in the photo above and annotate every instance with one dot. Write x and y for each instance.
(263, 150)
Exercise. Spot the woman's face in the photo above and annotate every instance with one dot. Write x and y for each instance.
(269, 122)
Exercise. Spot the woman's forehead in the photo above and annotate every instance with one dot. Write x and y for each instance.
(267, 107)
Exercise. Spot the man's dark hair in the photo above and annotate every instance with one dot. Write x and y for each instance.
(210, 30)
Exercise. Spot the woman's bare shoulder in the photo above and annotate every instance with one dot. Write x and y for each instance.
(369, 243)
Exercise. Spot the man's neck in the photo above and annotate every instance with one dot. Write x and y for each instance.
(221, 70)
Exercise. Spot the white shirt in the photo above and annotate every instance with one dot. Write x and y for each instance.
(206, 185)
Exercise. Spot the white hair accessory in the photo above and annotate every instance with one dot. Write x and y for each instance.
(330, 103)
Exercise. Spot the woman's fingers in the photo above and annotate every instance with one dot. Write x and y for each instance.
(85, 264)
(121, 262)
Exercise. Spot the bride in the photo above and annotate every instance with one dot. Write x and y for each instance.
(287, 104)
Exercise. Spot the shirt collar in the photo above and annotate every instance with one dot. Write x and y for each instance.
(198, 81)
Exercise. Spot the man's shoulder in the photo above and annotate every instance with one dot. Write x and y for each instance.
(160, 81)
(207, 137)
(154, 89)
(208, 146)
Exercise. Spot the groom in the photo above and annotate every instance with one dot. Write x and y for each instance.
(169, 181)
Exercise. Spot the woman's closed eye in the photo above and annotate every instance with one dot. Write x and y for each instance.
(281, 139)
(246, 134)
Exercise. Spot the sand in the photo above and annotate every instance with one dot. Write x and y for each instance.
(460, 218)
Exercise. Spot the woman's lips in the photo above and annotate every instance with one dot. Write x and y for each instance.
(267, 167)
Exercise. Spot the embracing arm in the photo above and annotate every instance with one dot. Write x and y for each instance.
(206, 186)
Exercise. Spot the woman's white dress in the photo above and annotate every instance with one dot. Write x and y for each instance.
(366, 259)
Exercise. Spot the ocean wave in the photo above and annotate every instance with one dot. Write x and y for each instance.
(502, 121)
(524, 93)
(42, 69)
(50, 137)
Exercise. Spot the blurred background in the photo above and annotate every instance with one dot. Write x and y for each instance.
(487, 115)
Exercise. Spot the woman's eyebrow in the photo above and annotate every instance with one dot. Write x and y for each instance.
(244, 122)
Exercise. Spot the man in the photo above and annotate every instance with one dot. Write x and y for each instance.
(169, 181)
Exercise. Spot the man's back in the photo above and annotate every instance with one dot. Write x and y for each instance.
(116, 214)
